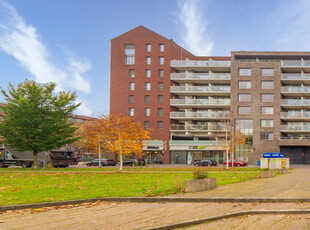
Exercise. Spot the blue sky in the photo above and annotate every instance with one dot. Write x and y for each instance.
(68, 41)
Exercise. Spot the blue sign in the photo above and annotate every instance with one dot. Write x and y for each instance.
(273, 155)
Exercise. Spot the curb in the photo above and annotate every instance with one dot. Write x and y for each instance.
(229, 215)
(158, 200)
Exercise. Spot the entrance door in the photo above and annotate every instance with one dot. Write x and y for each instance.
(297, 154)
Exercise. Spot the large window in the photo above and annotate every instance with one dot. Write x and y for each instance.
(266, 136)
(147, 86)
(131, 112)
(244, 97)
(131, 99)
(266, 123)
(131, 86)
(245, 72)
(160, 99)
(267, 84)
(244, 84)
(129, 54)
(267, 110)
(244, 152)
(148, 47)
(147, 99)
(244, 110)
(267, 72)
(267, 97)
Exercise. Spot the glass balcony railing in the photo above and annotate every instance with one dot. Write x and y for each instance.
(200, 89)
(295, 114)
(295, 127)
(295, 89)
(199, 63)
(200, 76)
(220, 114)
(198, 128)
(295, 63)
(295, 76)
(295, 102)
(200, 102)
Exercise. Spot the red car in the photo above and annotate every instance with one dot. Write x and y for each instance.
(236, 163)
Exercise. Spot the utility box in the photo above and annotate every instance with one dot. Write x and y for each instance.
(274, 161)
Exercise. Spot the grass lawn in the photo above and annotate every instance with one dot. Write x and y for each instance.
(32, 187)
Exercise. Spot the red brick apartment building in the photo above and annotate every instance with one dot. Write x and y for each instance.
(191, 103)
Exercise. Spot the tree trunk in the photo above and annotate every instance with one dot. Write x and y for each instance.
(120, 162)
(35, 158)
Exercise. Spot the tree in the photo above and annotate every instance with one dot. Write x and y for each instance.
(236, 138)
(36, 119)
(117, 133)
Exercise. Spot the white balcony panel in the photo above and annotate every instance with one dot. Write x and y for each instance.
(295, 65)
(201, 90)
(295, 90)
(201, 77)
(200, 103)
(221, 115)
(295, 116)
(295, 128)
(201, 65)
(293, 78)
(198, 128)
(295, 103)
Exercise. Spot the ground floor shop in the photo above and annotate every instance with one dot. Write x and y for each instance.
(188, 157)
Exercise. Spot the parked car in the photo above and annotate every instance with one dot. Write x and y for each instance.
(237, 163)
(104, 162)
(134, 162)
(205, 163)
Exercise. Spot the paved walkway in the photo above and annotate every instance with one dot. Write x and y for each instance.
(144, 215)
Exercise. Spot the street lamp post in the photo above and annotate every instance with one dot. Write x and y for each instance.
(99, 152)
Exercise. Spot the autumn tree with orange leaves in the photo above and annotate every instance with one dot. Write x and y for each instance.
(116, 133)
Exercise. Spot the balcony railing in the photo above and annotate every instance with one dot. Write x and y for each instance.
(219, 114)
(199, 143)
(201, 89)
(295, 114)
(297, 137)
(295, 89)
(295, 102)
(295, 127)
(295, 63)
(198, 63)
(200, 102)
(200, 76)
(295, 76)
(198, 128)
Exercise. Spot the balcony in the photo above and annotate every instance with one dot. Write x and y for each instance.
(295, 116)
(201, 77)
(201, 90)
(198, 128)
(295, 65)
(200, 103)
(295, 128)
(295, 90)
(201, 65)
(295, 103)
(295, 77)
(220, 115)
(198, 145)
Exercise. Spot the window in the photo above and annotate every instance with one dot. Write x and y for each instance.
(131, 86)
(161, 73)
(267, 84)
(244, 84)
(147, 112)
(148, 73)
(161, 47)
(132, 73)
(148, 47)
(161, 60)
(129, 54)
(267, 97)
(267, 110)
(244, 97)
(148, 60)
(160, 86)
(266, 136)
(266, 123)
(267, 72)
(148, 86)
(245, 72)
(159, 125)
(131, 99)
(160, 112)
(146, 125)
(244, 110)
(147, 99)
(131, 112)
(160, 99)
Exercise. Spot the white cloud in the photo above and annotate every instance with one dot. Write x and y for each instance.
(22, 41)
(83, 109)
(193, 28)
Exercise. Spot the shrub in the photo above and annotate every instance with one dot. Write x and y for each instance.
(200, 175)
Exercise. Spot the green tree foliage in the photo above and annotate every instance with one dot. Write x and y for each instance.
(36, 118)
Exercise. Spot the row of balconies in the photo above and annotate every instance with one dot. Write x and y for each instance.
(200, 115)
(298, 128)
(295, 115)
(198, 128)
